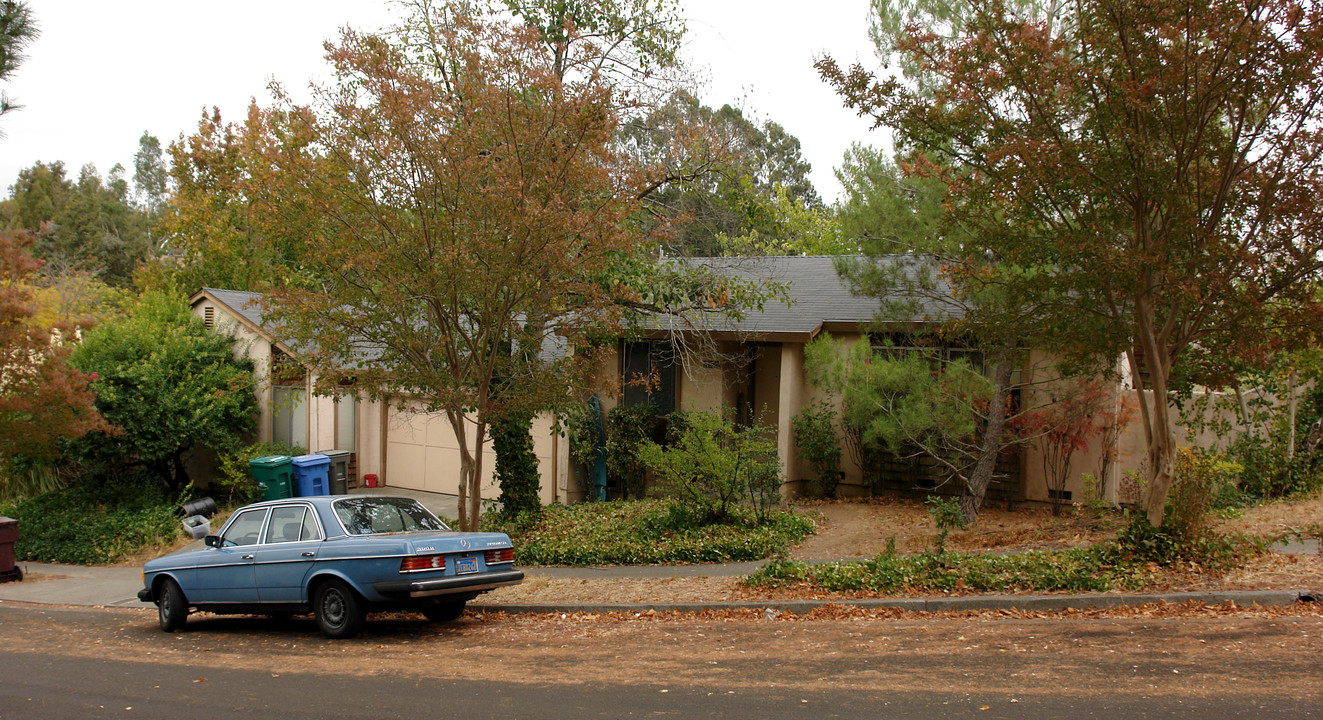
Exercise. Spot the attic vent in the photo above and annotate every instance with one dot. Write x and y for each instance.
(208, 315)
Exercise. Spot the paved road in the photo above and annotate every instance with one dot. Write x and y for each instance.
(91, 662)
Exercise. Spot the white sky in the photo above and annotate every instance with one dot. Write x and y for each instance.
(103, 72)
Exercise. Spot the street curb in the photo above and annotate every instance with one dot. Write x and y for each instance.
(1240, 598)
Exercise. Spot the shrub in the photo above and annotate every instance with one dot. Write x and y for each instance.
(168, 384)
(628, 428)
(1203, 480)
(648, 532)
(92, 523)
(580, 425)
(946, 515)
(1076, 570)
(517, 472)
(815, 435)
(713, 465)
(19, 480)
(234, 476)
(1268, 473)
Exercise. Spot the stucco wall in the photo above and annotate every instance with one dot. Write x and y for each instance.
(252, 345)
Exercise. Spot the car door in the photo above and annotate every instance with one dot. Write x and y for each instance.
(226, 574)
(283, 561)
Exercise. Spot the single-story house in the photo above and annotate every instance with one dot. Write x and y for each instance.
(755, 366)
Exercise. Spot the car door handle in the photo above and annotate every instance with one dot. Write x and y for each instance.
(247, 557)
(307, 554)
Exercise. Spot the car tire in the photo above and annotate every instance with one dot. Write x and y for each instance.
(443, 610)
(338, 609)
(171, 605)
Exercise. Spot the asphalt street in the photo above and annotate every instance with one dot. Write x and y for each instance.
(102, 662)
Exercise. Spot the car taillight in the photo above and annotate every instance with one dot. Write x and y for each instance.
(423, 562)
(500, 557)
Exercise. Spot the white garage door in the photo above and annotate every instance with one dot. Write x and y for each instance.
(423, 454)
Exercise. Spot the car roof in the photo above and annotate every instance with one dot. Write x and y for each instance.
(318, 500)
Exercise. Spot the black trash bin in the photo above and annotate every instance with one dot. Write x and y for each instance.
(339, 470)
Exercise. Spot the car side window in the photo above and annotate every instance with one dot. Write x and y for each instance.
(285, 525)
(246, 528)
(311, 531)
(292, 524)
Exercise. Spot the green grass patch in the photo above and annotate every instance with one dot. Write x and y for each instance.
(93, 524)
(646, 532)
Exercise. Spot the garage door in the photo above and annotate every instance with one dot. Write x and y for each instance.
(422, 453)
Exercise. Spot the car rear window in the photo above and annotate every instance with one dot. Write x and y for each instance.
(376, 515)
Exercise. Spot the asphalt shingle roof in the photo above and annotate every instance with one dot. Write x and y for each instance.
(818, 296)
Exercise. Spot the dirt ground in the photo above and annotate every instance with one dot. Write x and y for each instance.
(863, 529)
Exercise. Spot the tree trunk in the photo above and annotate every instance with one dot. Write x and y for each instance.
(181, 478)
(976, 487)
(475, 479)
(1161, 439)
(465, 466)
(1291, 404)
(1315, 437)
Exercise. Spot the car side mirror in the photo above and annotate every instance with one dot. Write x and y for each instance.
(212, 541)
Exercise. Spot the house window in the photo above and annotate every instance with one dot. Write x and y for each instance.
(208, 316)
(289, 401)
(346, 417)
(647, 372)
(289, 415)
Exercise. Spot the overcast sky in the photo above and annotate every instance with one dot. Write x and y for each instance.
(101, 72)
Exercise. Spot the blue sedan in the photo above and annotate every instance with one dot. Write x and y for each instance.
(336, 556)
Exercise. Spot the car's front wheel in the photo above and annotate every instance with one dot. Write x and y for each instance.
(171, 605)
(443, 610)
(339, 611)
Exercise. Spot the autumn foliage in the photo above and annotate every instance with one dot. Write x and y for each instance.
(42, 399)
(1147, 172)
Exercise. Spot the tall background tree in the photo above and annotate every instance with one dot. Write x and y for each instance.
(723, 173)
(85, 224)
(1145, 171)
(17, 30)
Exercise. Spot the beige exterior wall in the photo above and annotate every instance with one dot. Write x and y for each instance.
(251, 344)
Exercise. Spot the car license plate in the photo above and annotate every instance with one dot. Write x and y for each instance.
(465, 565)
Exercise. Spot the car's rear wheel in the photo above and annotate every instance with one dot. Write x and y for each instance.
(443, 610)
(171, 605)
(339, 611)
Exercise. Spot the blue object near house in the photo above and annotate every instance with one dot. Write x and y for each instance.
(311, 475)
(599, 452)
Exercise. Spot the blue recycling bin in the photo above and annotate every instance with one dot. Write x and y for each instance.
(311, 475)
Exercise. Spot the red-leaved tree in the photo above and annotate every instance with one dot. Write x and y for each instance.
(42, 399)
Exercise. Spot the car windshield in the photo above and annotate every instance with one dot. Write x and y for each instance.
(374, 515)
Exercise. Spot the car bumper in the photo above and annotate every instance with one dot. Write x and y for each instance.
(145, 595)
(480, 582)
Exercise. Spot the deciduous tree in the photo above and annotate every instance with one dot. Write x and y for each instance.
(450, 211)
(1154, 164)
(42, 398)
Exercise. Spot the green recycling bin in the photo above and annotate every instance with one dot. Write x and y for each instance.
(273, 473)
